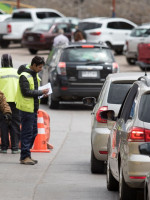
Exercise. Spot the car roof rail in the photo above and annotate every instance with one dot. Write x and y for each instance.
(147, 80)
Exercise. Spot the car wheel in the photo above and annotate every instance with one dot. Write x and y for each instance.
(97, 166)
(33, 51)
(51, 103)
(118, 51)
(131, 61)
(125, 192)
(4, 43)
(112, 183)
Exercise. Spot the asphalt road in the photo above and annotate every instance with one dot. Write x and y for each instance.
(64, 173)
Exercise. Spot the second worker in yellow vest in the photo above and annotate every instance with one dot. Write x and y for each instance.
(8, 85)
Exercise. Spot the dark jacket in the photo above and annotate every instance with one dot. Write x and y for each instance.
(25, 87)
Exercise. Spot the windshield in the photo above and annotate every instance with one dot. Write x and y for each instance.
(138, 32)
(42, 27)
(115, 89)
(87, 55)
(144, 108)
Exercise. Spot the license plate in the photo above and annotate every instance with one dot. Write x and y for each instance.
(89, 74)
(30, 38)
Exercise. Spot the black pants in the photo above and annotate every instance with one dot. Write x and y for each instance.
(13, 129)
(28, 132)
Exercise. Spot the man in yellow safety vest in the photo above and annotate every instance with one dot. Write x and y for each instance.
(28, 103)
(8, 85)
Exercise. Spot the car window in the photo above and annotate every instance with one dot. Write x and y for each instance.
(125, 26)
(52, 14)
(144, 108)
(113, 25)
(22, 15)
(88, 25)
(42, 27)
(86, 55)
(41, 15)
(126, 107)
(138, 32)
(115, 89)
(65, 27)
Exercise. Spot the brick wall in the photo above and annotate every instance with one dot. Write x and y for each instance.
(134, 10)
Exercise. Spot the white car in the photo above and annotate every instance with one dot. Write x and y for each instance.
(113, 31)
(111, 97)
(138, 35)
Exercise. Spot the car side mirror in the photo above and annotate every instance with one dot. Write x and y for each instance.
(145, 148)
(89, 101)
(108, 115)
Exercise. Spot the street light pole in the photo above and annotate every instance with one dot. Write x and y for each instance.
(113, 8)
(18, 3)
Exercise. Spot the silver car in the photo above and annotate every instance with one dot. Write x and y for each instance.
(125, 164)
(111, 97)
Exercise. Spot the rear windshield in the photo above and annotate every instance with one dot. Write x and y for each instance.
(87, 55)
(88, 25)
(42, 27)
(144, 108)
(117, 92)
(22, 15)
(138, 32)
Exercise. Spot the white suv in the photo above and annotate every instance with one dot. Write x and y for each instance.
(113, 31)
(138, 35)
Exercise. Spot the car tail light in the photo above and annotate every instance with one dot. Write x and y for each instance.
(115, 67)
(9, 28)
(62, 68)
(64, 88)
(103, 152)
(42, 38)
(98, 117)
(87, 46)
(127, 44)
(137, 134)
(137, 177)
(95, 33)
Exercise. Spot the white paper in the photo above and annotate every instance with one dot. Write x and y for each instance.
(47, 86)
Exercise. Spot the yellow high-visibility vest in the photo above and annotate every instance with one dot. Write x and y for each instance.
(8, 83)
(23, 103)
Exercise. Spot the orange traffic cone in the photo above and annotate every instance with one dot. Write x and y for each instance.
(40, 144)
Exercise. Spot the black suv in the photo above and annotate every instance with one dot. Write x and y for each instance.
(77, 70)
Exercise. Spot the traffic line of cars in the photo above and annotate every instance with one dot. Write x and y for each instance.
(120, 124)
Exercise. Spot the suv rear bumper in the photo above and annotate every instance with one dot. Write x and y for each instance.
(65, 92)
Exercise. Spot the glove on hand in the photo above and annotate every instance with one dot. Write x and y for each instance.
(8, 118)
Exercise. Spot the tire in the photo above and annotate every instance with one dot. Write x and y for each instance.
(4, 43)
(97, 166)
(119, 51)
(52, 104)
(125, 192)
(33, 51)
(131, 61)
(112, 183)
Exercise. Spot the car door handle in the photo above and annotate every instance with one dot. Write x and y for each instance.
(92, 113)
(110, 33)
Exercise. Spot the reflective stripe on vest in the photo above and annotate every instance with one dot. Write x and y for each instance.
(8, 83)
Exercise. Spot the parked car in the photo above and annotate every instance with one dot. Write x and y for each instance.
(138, 35)
(125, 164)
(77, 70)
(113, 31)
(42, 35)
(145, 150)
(12, 30)
(111, 96)
(143, 56)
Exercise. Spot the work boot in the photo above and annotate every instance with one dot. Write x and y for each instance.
(3, 151)
(27, 161)
(15, 151)
(35, 161)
